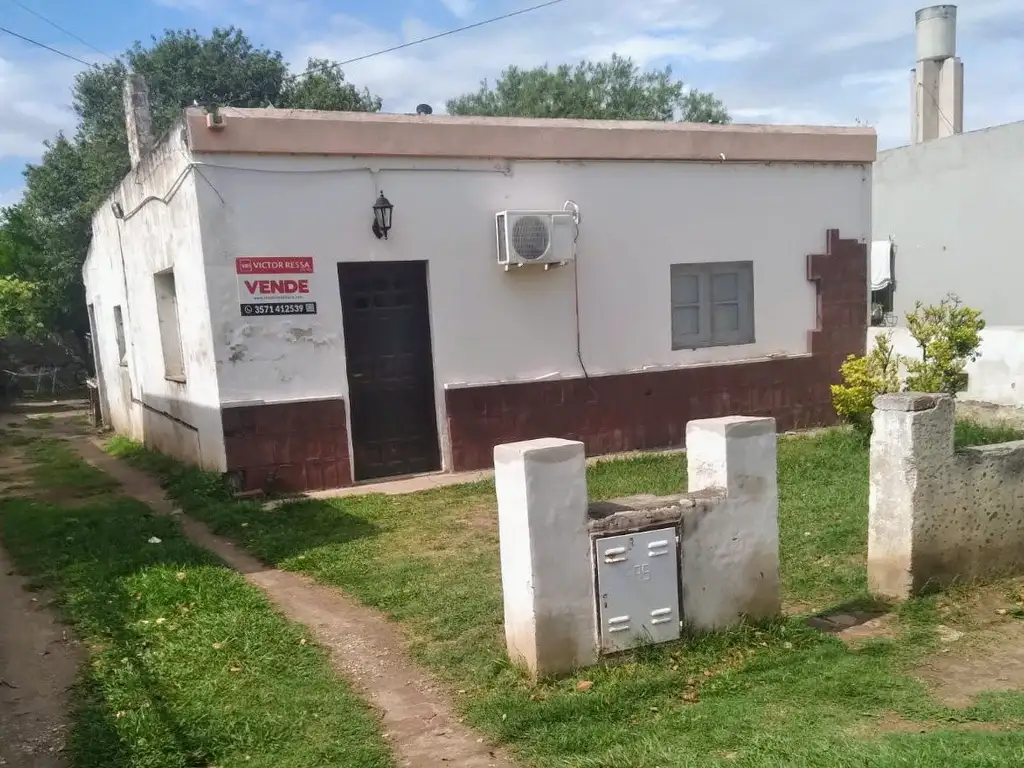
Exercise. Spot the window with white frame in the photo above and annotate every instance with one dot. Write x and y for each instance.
(122, 346)
(712, 304)
(170, 331)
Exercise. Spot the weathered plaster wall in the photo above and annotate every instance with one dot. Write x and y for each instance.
(952, 207)
(937, 515)
(160, 231)
(490, 326)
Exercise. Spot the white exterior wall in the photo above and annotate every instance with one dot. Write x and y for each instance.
(953, 207)
(160, 231)
(490, 326)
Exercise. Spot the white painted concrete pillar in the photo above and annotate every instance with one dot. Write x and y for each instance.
(730, 551)
(735, 453)
(911, 442)
(546, 570)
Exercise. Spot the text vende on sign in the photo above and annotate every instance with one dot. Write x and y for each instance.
(275, 285)
(262, 288)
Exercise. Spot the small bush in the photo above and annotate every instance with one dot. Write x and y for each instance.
(948, 335)
(864, 378)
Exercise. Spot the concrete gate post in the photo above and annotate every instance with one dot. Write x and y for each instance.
(911, 449)
(730, 557)
(546, 570)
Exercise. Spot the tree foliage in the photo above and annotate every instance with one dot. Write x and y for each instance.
(76, 174)
(23, 278)
(19, 308)
(608, 90)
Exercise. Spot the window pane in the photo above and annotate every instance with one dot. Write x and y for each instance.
(685, 289)
(725, 287)
(725, 318)
(685, 321)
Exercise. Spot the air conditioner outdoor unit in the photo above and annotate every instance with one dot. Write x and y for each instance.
(545, 238)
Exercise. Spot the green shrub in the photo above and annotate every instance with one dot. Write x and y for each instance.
(864, 378)
(948, 335)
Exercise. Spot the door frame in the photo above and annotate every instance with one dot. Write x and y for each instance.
(437, 394)
(97, 362)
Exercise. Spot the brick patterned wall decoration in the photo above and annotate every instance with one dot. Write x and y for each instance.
(650, 410)
(288, 447)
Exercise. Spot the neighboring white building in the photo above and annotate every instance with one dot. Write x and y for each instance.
(951, 207)
(718, 270)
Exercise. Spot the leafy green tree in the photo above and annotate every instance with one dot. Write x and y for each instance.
(76, 174)
(23, 277)
(325, 88)
(19, 308)
(607, 90)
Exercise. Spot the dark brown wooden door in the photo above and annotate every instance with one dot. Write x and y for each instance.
(390, 368)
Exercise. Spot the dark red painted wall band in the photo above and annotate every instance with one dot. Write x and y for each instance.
(288, 447)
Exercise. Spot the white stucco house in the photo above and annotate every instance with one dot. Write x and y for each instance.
(249, 317)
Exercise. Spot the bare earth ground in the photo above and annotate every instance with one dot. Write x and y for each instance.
(38, 661)
(417, 715)
(984, 651)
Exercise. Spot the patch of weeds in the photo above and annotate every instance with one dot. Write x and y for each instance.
(59, 470)
(968, 433)
(10, 438)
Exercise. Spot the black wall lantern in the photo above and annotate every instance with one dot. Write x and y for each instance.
(382, 217)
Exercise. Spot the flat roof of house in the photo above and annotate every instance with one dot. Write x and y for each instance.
(310, 132)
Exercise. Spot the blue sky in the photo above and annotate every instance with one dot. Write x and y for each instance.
(788, 61)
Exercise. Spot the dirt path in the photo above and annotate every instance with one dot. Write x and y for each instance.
(364, 647)
(38, 663)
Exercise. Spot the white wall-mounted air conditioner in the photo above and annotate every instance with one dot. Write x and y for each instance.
(545, 238)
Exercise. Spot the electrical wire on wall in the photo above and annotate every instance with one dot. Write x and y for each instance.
(574, 209)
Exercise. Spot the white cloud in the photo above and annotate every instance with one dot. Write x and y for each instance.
(36, 92)
(10, 196)
(460, 8)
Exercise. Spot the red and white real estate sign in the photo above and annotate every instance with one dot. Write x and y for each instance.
(275, 285)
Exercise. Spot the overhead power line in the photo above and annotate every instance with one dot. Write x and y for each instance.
(47, 47)
(58, 27)
(438, 36)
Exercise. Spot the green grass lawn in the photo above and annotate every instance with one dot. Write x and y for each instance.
(780, 694)
(188, 665)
